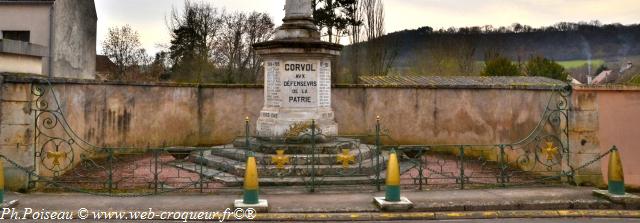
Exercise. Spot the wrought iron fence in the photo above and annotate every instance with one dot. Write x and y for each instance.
(308, 159)
(542, 157)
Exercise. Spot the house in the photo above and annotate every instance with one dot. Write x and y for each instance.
(574, 81)
(65, 29)
(21, 57)
(604, 77)
(104, 67)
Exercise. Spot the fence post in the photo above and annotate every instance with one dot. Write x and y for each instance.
(378, 152)
(155, 173)
(246, 134)
(462, 167)
(503, 167)
(201, 172)
(420, 168)
(313, 155)
(110, 174)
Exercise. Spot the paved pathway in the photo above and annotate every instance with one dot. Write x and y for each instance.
(551, 202)
(537, 198)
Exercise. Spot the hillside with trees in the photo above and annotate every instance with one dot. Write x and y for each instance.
(210, 45)
(461, 51)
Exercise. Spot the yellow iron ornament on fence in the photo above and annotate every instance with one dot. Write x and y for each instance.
(280, 159)
(346, 158)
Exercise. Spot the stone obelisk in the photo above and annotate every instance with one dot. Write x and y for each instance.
(297, 83)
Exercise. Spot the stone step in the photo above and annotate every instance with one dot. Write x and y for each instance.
(268, 147)
(237, 168)
(238, 154)
(208, 172)
(231, 180)
(224, 164)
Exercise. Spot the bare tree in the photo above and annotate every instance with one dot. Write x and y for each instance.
(354, 13)
(231, 45)
(374, 18)
(209, 44)
(240, 31)
(123, 47)
(260, 28)
(380, 54)
(446, 55)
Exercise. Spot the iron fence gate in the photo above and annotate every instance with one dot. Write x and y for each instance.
(303, 158)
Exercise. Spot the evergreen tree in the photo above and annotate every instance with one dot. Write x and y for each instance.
(543, 67)
(335, 17)
(500, 66)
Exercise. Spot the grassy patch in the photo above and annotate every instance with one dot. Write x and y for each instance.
(571, 64)
(567, 64)
(635, 80)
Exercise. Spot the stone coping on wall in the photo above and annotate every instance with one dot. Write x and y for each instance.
(513, 83)
(609, 87)
(28, 78)
(518, 82)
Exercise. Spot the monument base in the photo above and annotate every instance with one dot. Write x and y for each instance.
(403, 205)
(261, 207)
(339, 161)
(292, 124)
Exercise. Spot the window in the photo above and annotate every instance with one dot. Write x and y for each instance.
(24, 36)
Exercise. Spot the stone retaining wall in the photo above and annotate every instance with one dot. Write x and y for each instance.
(605, 116)
(146, 114)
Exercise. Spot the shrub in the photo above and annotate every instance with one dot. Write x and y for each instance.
(543, 67)
(500, 66)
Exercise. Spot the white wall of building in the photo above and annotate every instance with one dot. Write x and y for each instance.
(14, 63)
(28, 17)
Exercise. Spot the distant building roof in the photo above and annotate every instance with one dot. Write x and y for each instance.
(463, 81)
(104, 66)
(602, 77)
(574, 81)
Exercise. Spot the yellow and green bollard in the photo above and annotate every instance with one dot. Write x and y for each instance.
(250, 197)
(4, 204)
(251, 187)
(1, 181)
(392, 188)
(616, 192)
(392, 201)
(616, 174)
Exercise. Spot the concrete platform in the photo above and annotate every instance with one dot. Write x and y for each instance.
(261, 207)
(627, 199)
(403, 205)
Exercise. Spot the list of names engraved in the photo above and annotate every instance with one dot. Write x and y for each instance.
(324, 87)
(273, 83)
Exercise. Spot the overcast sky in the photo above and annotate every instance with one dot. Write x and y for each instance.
(148, 16)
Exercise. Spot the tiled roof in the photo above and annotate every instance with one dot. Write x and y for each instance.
(462, 81)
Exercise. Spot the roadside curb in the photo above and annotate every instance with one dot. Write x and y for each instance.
(445, 215)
